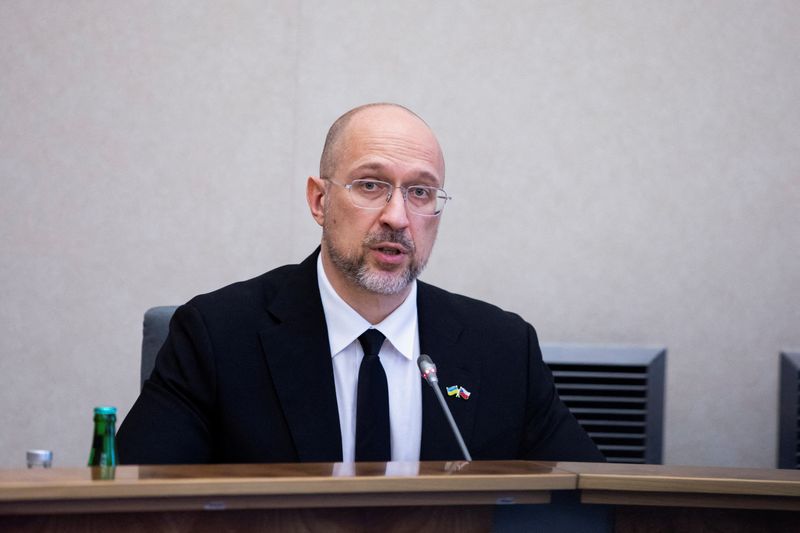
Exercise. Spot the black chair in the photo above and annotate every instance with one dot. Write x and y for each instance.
(156, 326)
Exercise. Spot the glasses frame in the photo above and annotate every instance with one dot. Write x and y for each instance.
(403, 191)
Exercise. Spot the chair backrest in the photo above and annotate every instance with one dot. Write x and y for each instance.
(154, 332)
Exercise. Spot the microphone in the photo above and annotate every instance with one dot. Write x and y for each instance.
(428, 370)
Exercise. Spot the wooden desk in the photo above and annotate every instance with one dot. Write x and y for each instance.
(295, 497)
(688, 498)
(417, 497)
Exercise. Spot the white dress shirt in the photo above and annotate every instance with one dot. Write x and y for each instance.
(399, 359)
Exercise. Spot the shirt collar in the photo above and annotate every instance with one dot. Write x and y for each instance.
(345, 324)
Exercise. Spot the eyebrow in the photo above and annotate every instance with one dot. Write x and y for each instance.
(423, 175)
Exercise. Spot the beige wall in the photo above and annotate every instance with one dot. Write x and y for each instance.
(623, 172)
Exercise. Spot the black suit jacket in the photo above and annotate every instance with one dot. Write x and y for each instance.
(246, 375)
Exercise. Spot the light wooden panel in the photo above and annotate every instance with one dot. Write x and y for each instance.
(212, 487)
(694, 479)
(687, 486)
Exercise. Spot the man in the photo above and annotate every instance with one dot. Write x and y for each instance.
(293, 365)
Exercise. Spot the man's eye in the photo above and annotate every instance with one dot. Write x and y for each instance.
(372, 187)
(420, 193)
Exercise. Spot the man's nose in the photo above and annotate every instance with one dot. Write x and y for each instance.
(394, 212)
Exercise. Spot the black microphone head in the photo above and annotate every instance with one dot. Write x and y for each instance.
(427, 368)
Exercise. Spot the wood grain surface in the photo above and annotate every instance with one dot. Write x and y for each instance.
(685, 479)
(210, 487)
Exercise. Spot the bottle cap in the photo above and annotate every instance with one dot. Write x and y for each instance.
(105, 410)
(39, 458)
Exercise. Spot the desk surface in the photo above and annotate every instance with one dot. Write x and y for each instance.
(695, 479)
(427, 496)
(281, 486)
(687, 486)
(194, 487)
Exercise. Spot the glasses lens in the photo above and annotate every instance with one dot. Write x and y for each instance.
(425, 200)
(369, 193)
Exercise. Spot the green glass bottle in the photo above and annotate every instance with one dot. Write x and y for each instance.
(104, 444)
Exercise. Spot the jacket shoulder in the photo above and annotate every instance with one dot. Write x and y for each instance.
(258, 290)
(241, 303)
(467, 310)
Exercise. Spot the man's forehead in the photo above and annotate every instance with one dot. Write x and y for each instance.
(391, 131)
(384, 168)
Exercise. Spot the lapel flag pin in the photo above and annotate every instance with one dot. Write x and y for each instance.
(458, 392)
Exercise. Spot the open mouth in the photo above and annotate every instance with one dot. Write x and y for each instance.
(389, 251)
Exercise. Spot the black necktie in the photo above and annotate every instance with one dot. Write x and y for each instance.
(372, 404)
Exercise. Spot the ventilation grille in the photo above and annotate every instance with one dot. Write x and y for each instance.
(617, 395)
(789, 423)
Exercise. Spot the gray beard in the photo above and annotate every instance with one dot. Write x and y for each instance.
(355, 267)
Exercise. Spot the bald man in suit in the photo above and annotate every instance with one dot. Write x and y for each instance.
(273, 369)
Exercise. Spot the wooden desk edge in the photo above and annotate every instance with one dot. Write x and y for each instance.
(645, 487)
(689, 485)
(73, 493)
(686, 499)
(281, 487)
(677, 488)
(277, 501)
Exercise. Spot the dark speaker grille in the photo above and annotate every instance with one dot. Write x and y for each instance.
(616, 394)
(789, 412)
(797, 424)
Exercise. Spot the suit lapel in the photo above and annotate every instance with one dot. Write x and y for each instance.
(298, 355)
(443, 339)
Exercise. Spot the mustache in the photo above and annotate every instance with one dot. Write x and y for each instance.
(392, 236)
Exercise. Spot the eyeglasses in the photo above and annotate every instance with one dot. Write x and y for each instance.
(374, 194)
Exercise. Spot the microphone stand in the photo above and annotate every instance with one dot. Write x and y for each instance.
(428, 370)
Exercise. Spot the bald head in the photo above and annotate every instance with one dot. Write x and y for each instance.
(337, 138)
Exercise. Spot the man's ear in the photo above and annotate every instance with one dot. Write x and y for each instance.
(316, 198)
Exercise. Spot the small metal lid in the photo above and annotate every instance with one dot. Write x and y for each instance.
(39, 457)
(105, 410)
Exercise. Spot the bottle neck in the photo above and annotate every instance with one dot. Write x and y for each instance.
(104, 446)
(104, 424)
